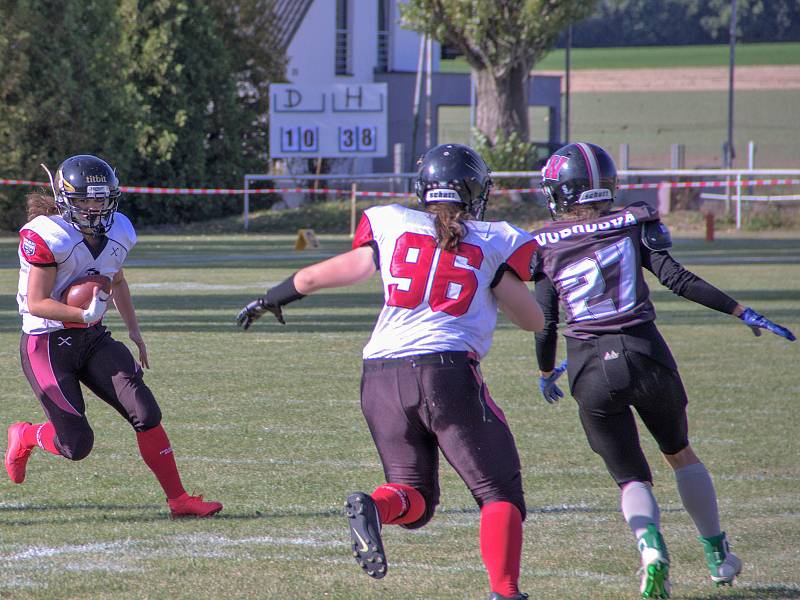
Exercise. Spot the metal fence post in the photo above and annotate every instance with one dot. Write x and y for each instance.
(751, 155)
(246, 215)
(353, 187)
(398, 162)
(624, 156)
(677, 156)
(739, 201)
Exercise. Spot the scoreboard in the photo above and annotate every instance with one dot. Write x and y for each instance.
(337, 120)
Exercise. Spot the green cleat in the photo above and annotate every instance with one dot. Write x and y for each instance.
(723, 564)
(655, 564)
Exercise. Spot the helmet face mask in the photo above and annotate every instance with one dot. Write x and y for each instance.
(578, 174)
(86, 191)
(454, 173)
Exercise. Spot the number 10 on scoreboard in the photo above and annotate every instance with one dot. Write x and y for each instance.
(299, 139)
(358, 139)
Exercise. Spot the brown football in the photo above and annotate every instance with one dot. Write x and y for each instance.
(81, 291)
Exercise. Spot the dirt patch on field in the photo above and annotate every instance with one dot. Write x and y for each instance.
(695, 79)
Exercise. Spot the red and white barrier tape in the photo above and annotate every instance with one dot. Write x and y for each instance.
(372, 194)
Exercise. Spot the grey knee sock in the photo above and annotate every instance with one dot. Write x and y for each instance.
(699, 498)
(639, 507)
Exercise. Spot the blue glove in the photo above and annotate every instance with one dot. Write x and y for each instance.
(758, 322)
(548, 387)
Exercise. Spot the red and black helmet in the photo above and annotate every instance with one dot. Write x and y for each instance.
(578, 173)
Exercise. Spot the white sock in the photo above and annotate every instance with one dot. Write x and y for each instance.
(639, 507)
(699, 498)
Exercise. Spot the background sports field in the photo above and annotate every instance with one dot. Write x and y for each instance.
(268, 422)
(653, 97)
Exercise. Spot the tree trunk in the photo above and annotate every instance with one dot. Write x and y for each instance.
(503, 102)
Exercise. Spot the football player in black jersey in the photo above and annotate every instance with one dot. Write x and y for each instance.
(590, 262)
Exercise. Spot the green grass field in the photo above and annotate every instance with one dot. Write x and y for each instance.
(654, 57)
(268, 422)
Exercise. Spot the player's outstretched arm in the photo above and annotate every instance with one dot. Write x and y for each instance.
(757, 322)
(342, 270)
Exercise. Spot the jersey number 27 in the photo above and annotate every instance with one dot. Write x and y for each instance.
(582, 282)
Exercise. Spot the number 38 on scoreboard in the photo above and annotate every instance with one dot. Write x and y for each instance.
(358, 139)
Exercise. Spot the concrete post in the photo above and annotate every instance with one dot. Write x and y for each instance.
(624, 157)
(398, 156)
(678, 156)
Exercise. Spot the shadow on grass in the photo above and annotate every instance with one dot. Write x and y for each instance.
(184, 313)
(157, 512)
(150, 513)
(772, 592)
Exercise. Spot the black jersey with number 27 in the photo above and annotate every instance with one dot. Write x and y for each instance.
(595, 266)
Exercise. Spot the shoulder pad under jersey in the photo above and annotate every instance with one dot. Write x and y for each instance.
(655, 235)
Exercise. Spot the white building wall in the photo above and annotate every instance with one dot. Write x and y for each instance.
(404, 43)
(312, 51)
(363, 40)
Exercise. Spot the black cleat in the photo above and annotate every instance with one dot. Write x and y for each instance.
(365, 531)
(496, 596)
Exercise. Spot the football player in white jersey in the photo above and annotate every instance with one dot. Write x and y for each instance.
(81, 234)
(445, 272)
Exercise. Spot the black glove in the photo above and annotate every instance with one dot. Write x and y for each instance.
(254, 310)
(758, 322)
(275, 298)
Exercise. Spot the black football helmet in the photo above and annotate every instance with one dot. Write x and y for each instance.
(578, 173)
(84, 177)
(454, 173)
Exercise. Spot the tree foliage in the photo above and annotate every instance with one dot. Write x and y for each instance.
(501, 40)
(170, 92)
(677, 22)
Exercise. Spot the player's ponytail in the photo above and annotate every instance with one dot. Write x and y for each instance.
(38, 203)
(450, 224)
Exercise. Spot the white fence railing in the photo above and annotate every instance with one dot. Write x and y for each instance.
(358, 186)
(398, 185)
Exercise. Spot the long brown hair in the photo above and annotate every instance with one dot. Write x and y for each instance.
(40, 203)
(578, 212)
(450, 224)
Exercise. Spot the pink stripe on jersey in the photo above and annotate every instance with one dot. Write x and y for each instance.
(487, 397)
(39, 357)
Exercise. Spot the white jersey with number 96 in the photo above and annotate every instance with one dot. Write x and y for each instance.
(436, 300)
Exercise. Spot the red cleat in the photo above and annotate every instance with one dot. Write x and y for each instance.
(192, 506)
(16, 452)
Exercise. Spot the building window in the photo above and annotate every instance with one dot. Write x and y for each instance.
(384, 20)
(343, 35)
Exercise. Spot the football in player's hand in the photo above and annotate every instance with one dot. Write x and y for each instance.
(81, 291)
